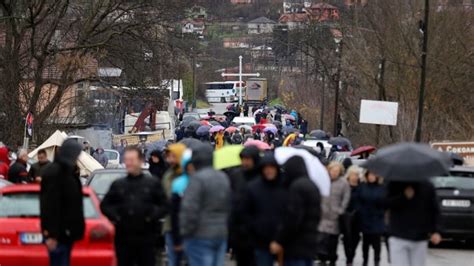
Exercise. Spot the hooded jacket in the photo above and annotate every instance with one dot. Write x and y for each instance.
(205, 206)
(264, 206)
(61, 206)
(157, 169)
(299, 231)
(172, 172)
(254, 153)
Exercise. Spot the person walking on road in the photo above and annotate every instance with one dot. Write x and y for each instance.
(17, 173)
(61, 204)
(332, 208)
(205, 209)
(372, 214)
(157, 164)
(351, 218)
(36, 170)
(414, 218)
(174, 154)
(297, 237)
(135, 204)
(264, 209)
(101, 157)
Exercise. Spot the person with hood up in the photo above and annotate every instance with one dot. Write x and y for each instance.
(372, 214)
(178, 188)
(157, 164)
(36, 170)
(297, 237)
(332, 208)
(174, 154)
(219, 138)
(17, 173)
(61, 204)
(205, 209)
(4, 162)
(101, 157)
(135, 204)
(264, 209)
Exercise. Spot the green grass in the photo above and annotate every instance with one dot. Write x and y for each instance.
(200, 104)
(276, 101)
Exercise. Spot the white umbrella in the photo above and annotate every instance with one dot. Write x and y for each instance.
(316, 170)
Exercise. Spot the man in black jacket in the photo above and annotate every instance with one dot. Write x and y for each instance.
(62, 216)
(135, 204)
(299, 231)
(18, 173)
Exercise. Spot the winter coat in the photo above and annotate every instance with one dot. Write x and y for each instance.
(334, 205)
(299, 231)
(372, 210)
(37, 170)
(219, 140)
(264, 207)
(61, 199)
(413, 219)
(100, 157)
(135, 205)
(157, 169)
(205, 206)
(17, 173)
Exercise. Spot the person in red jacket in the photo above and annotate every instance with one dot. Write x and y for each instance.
(4, 163)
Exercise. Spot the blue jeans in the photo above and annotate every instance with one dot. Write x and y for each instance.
(264, 258)
(298, 262)
(61, 256)
(174, 258)
(205, 252)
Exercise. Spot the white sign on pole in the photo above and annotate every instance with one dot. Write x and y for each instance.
(378, 112)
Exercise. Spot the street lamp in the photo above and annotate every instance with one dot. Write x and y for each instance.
(338, 81)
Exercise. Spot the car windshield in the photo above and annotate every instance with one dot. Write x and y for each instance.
(111, 155)
(101, 182)
(453, 182)
(26, 204)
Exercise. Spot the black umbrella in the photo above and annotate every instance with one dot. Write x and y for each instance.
(456, 159)
(340, 141)
(230, 114)
(191, 143)
(319, 134)
(187, 120)
(214, 123)
(193, 125)
(288, 130)
(159, 145)
(408, 162)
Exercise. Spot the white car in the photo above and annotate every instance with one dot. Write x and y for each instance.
(312, 143)
(114, 158)
(248, 121)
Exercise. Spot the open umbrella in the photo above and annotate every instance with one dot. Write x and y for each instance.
(216, 129)
(288, 117)
(246, 127)
(203, 130)
(205, 123)
(230, 114)
(408, 162)
(456, 159)
(259, 126)
(277, 123)
(269, 125)
(340, 141)
(193, 125)
(316, 171)
(214, 123)
(228, 156)
(288, 130)
(319, 134)
(159, 145)
(191, 143)
(231, 129)
(363, 149)
(257, 143)
(273, 130)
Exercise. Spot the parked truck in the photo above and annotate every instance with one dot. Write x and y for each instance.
(256, 91)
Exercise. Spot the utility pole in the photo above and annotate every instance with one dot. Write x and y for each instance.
(338, 87)
(321, 115)
(381, 95)
(424, 53)
(240, 75)
(194, 81)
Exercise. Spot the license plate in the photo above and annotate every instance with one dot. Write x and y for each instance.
(31, 238)
(456, 203)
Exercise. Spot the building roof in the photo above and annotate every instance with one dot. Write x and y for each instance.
(262, 20)
(294, 17)
(322, 6)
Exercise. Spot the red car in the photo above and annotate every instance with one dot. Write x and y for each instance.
(20, 232)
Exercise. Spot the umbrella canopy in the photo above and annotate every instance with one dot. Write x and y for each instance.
(269, 125)
(277, 123)
(340, 141)
(316, 171)
(229, 106)
(231, 129)
(360, 150)
(214, 123)
(288, 117)
(216, 129)
(193, 125)
(273, 130)
(191, 143)
(257, 111)
(408, 162)
(259, 126)
(205, 123)
(257, 143)
(288, 130)
(456, 159)
(228, 156)
(246, 127)
(319, 134)
(159, 145)
(230, 113)
(203, 130)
